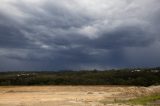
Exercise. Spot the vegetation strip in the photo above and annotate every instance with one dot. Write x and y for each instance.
(137, 77)
(150, 100)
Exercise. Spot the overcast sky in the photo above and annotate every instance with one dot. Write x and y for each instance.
(79, 34)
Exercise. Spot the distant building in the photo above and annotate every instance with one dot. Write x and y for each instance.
(136, 70)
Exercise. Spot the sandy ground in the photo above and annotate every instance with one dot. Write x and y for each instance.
(69, 95)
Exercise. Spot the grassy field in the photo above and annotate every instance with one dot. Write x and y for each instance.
(144, 100)
(150, 100)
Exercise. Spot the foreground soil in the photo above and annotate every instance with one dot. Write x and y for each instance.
(70, 95)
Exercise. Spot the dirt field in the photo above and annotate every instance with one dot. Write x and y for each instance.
(69, 95)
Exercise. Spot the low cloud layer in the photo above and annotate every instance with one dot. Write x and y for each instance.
(79, 34)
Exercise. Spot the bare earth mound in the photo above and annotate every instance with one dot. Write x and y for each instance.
(69, 95)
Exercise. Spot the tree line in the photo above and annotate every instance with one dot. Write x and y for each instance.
(137, 77)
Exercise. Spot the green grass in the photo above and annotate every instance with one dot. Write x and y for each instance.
(144, 100)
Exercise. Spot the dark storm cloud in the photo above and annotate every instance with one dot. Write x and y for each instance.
(124, 37)
(71, 34)
(12, 38)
